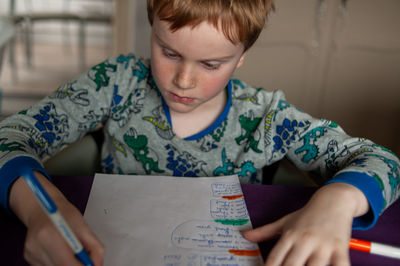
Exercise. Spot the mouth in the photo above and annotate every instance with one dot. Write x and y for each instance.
(180, 99)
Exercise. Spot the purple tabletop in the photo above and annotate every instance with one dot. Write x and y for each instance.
(265, 203)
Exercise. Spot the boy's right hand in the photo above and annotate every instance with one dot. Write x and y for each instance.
(44, 245)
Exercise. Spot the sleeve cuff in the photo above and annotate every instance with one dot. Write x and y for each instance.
(370, 187)
(11, 171)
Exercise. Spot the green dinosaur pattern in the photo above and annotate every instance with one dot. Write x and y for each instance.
(138, 143)
(249, 124)
(100, 74)
(10, 146)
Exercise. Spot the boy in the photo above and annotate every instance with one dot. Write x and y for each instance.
(181, 114)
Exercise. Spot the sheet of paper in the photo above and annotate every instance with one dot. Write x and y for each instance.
(174, 221)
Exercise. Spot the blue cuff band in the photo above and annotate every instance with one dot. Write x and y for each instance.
(11, 171)
(370, 187)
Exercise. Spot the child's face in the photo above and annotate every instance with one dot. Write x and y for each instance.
(192, 66)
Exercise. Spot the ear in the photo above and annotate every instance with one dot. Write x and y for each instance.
(241, 60)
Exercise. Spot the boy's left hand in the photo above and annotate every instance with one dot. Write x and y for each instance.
(318, 233)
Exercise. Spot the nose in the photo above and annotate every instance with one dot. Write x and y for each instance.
(185, 77)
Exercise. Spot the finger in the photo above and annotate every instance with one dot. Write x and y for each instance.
(66, 260)
(279, 251)
(31, 257)
(88, 239)
(299, 253)
(320, 255)
(264, 232)
(34, 252)
(341, 257)
(319, 258)
(48, 247)
(93, 246)
(60, 253)
(330, 256)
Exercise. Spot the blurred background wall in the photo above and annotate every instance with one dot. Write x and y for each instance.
(337, 59)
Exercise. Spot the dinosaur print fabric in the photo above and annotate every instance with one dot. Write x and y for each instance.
(256, 128)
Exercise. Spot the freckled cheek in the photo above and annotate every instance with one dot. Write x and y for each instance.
(213, 86)
(162, 74)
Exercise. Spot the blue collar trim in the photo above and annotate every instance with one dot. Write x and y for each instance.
(214, 125)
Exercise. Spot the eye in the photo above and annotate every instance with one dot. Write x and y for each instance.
(170, 54)
(211, 65)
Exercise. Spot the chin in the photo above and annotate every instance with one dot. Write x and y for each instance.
(180, 108)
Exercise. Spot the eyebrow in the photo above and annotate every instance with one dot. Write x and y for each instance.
(166, 46)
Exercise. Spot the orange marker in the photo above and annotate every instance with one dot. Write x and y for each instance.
(245, 252)
(233, 197)
(375, 248)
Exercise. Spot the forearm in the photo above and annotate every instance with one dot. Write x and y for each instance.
(23, 202)
(343, 195)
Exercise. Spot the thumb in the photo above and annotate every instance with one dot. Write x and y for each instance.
(264, 232)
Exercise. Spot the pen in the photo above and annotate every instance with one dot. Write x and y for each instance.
(55, 216)
(375, 248)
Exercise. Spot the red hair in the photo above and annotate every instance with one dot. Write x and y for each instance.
(241, 21)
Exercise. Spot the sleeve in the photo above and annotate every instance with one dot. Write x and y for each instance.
(60, 119)
(321, 146)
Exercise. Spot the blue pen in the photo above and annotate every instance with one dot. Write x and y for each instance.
(55, 216)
